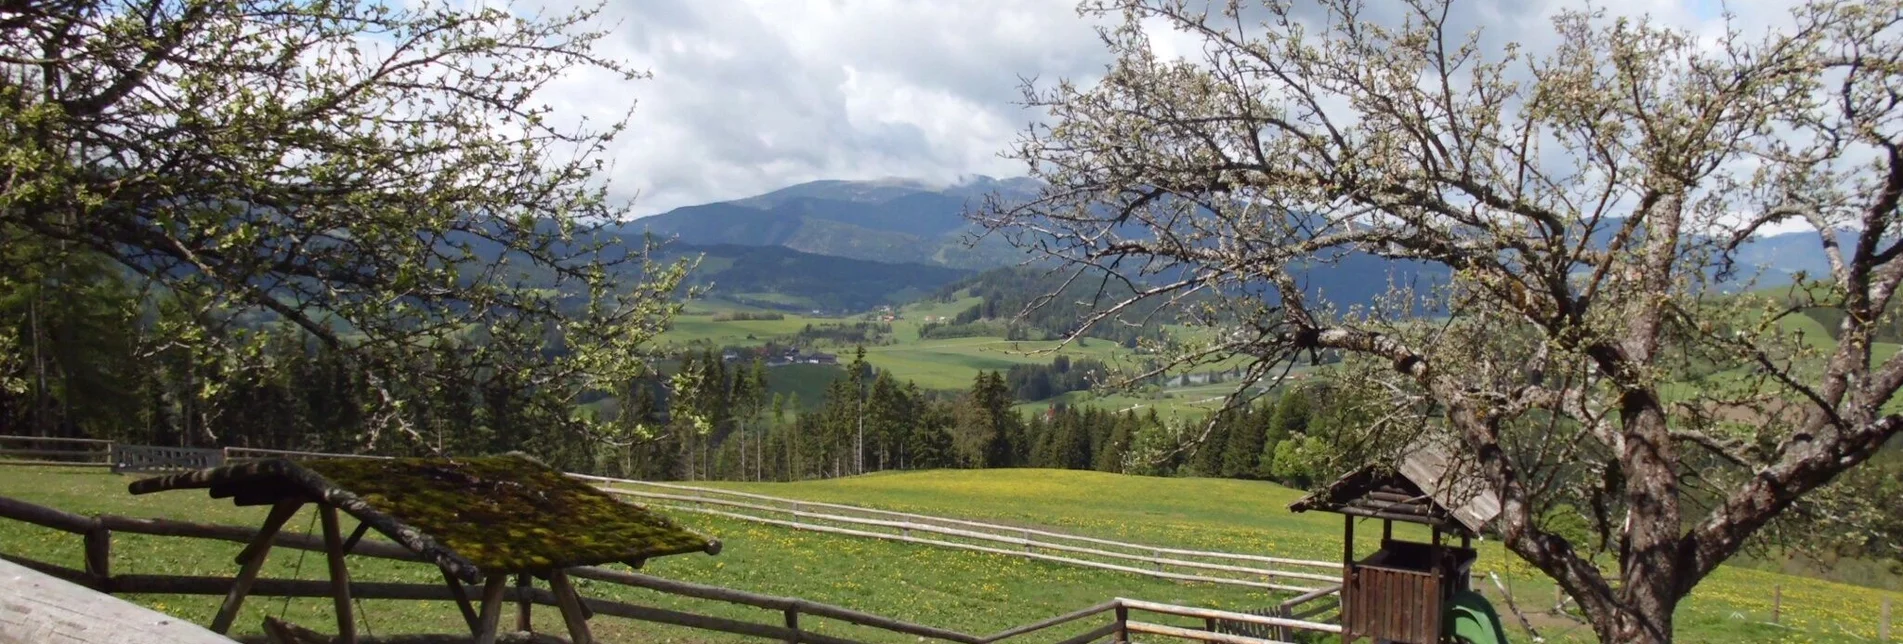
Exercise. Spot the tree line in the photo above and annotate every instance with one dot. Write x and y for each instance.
(716, 419)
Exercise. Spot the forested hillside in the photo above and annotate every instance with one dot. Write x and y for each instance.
(783, 278)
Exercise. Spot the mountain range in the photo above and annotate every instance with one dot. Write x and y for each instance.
(841, 244)
(893, 220)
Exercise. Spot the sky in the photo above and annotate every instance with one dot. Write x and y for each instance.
(747, 96)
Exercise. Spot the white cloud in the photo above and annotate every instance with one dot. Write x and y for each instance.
(753, 95)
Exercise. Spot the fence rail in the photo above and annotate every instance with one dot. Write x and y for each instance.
(1238, 569)
(704, 493)
(40, 450)
(904, 530)
(98, 532)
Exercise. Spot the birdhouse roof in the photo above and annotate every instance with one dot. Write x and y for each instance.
(1427, 485)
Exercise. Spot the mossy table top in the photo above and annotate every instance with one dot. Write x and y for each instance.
(498, 514)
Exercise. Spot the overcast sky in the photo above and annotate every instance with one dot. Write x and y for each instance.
(752, 95)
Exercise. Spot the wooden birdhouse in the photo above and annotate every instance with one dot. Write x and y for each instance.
(1406, 592)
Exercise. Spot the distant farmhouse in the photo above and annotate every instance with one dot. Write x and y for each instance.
(792, 355)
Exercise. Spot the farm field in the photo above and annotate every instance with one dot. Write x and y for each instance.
(943, 363)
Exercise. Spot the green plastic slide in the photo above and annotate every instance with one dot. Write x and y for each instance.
(1470, 619)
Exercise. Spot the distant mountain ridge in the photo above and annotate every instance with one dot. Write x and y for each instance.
(783, 278)
(902, 221)
(889, 220)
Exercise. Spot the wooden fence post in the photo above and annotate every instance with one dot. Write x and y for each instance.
(1883, 625)
(99, 554)
(1777, 602)
(1122, 634)
(793, 624)
(524, 617)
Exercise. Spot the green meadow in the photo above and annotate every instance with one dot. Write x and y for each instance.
(965, 591)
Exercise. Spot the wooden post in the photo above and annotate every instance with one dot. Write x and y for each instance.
(1777, 602)
(1122, 634)
(1347, 539)
(491, 607)
(250, 560)
(462, 601)
(1883, 624)
(1387, 530)
(1027, 540)
(339, 574)
(570, 603)
(356, 536)
(524, 621)
(99, 555)
(793, 624)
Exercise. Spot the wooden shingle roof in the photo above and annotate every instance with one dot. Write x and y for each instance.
(470, 515)
(1428, 485)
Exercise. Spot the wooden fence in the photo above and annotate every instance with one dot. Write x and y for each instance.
(36, 450)
(98, 531)
(1190, 565)
(1237, 569)
(128, 458)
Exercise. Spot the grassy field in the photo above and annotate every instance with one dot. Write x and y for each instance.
(970, 592)
(965, 591)
(1252, 517)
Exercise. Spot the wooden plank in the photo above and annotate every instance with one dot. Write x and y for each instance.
(1187, 611)
(1094, 634)
(1312, 595)
(1154, 558)
(1054, 621)
(148, 458)
(241, 534)
(251, 560)
(56, 439)
(524, 617)
(83, 454)
(253, 453)
(770, 602)
(462, 600)
(35, 607)
(570, 603)
(54, 463)
(705, 492)
(339, 574)
(1193, 634)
